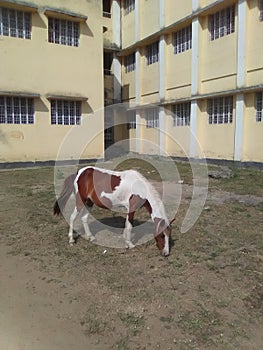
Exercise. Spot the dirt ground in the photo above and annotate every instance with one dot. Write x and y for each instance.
(208, 294)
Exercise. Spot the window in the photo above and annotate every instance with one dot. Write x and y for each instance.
(152, 118)
(260, 5)
(220, 110)
(222, 23)
(63, 32)
(65, 112)
(129, 6)
(15, 23)
(259, 107)
(182, 114)
(131, 120)
(152, 54)
(16, 110)
(130, 63)
(183, 40)
(106, 8)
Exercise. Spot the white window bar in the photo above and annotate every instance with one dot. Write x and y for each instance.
(65, 112)
(16, 110)
(220, 110)
(129, 6)
(260, 5)
(15, 23)
(181, 114)
(222, 23)
(182, 40)
(152, 118)
(259, 107)
(152, 54)
(131, 120)
(130, 63)
(63, 32)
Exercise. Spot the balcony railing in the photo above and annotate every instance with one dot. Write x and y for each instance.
(106, 14)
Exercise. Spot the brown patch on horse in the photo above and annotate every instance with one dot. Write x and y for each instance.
(91, 183)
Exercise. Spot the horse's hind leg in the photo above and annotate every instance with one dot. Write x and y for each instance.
(84, 218)
(71, 222)
(127, 231)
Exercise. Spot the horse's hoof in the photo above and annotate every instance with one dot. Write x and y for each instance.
(71, 244)
(92, 239)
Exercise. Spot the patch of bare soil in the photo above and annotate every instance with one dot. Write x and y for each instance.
(206, 295)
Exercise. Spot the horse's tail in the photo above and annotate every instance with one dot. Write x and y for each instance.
(66, 192)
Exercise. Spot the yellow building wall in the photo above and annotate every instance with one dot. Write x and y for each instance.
(177, 139)
(253, 132)
(254, 48)
(174, 11)
(128, 29)
(217, 61)
(216, 140)
(178, 72)
(44, 68)
(149, 81)
(149, 12)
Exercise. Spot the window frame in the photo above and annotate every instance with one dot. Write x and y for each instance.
(18, 23)
(17, 110)
(152, 53)
(222, 23)
(181, 114)
(182, 40)
(131, 116)
(130, 63)
(63, 31)
(259, 106)
(129, 6)
(60, 106)
(220, 110)
(152, 118)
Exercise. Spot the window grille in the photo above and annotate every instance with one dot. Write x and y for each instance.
(259, 107)
(222, 23)
(260, 5)
(152, 118)
(129, 6)
(65, 112)
(183, 40)
(63, 32)
(15, 23)
(131, 120)
(130, 63)
(152, 54)
(182, 114)
(16, 110)
(220, 110)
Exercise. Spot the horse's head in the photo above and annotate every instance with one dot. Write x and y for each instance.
(162, 236)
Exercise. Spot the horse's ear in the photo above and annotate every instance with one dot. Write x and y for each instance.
(171, 221)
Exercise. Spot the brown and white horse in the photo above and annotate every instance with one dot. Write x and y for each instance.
(114, 189)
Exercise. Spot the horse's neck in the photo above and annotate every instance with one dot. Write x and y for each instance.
(157, 207)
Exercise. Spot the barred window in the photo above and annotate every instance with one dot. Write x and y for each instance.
(129, 6)
(63, 32)
(182, 114)
(260, 5)
(182, 40)
(222, 23)
(220, 110)
(131, 120)
(65, 112)
(152, 54)
(15, 23)
(16, 110)
(152, 118)
(130, 63)
(259, 107)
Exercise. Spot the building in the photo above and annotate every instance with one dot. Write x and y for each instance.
(188, 73)
(51, 55)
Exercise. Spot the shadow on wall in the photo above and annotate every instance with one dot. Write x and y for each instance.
(3, 138)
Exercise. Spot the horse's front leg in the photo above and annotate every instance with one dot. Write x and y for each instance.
(71, 223)
(127, 230)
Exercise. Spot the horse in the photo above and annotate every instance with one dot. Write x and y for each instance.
(109, 189)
